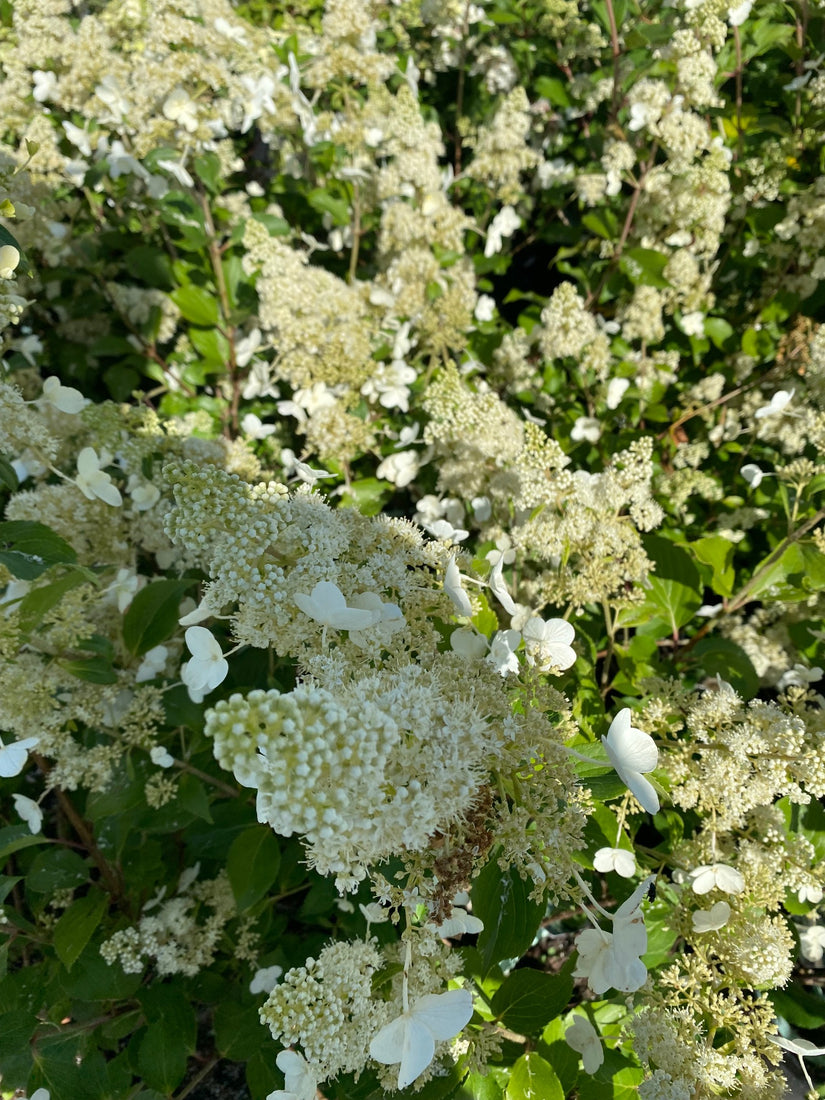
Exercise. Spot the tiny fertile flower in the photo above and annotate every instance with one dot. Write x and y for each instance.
(631, 753)
(326, 604)
(92, 481)
(718, 875)
(29, 811)
(619, 860)
(13, 756)
(410, 1038)
(711, 920)
(776, 404)
(65, 398)
(584, 1039)
(208, 666)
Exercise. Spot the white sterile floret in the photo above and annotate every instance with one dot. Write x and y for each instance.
(502, 655)
(92, 481)
(631, 753)
(265, 979)
(208, 666)
(178, 107)
(802, 1048)
(124, 587)
(752, 474)
(548, 644)
(29, 811)
(468, 642)
(619, 860)
(499, 588)
(161, 756)
(400, 468)
(410, 1038)
(300, 1080)
(65, 398)
(711, 920)
(586, 428)
(454, 589)
(388, 619)
(616, 389)
(737, 14)
(717, 876)
(584, 1039)
(327, 605)
(612, 960)
(458, 922)
(812, 942)
(13, 756)
(693, 323)
(9, 259)
(777, 404)
(374, 912)
(144, 494)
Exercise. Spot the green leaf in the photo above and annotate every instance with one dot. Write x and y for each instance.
(8, 478)
(553, 90)
(197, 305)
(717, 552)
(723, 657)
(797, 574)
(254, 860)
(75, 927)
(161, 1059)
(37, 603)
(28, 549)
(644, 267)
(501, 901)
(14, 838)
(153, 615)
(16, 1031)
(150, 265)
(533, 1079)
(212, 345)
(799, 1008)
(528, 999)
(237, 1030)
(94, 670)
(208, 170)
(56, 869)
(335, 206)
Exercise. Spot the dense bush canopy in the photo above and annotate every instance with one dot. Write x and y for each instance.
(412, 564)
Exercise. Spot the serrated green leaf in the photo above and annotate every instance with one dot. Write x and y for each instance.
(152, 615)
(237, 1030)
(254, 860)
(197, 305)
(527, 999)
(28, 548)
(208, 170)
(76, 925)
(161, 1059)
